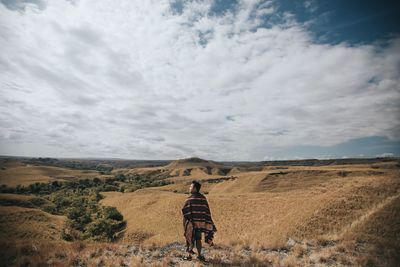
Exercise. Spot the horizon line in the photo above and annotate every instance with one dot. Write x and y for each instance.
(127, 159)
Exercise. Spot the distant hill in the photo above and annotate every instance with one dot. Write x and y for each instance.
(92, 163)
(193, 162)
(196, 166)
(84, 163)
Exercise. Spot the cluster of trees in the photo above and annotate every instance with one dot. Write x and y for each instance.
(102, 167)
(79, 200)
(93, 164)
(133, 182)
(119, 182)
(42, 189)
(86, 217)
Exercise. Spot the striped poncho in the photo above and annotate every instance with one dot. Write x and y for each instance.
(197, 215)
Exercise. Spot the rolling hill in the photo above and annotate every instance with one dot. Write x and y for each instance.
(286, 215)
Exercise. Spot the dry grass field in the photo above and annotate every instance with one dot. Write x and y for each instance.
(266, 207)
(29, 223)
(334, 215)
(17, 173)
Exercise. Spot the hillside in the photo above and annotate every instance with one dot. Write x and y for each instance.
(19, 223)
(297, 202)
(13, 173)
(266, 208)
(273, 215)
(193, 167)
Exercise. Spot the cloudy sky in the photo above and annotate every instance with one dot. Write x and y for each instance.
(222, 80)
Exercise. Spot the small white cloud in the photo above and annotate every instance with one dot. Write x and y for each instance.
(311, 5)
(385, 155)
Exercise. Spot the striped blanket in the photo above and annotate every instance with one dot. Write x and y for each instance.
(197, 216)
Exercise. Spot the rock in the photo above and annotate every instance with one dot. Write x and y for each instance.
(290, 243)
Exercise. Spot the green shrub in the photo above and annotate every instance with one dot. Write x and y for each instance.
(74, 213)
(65, 235)
(110, 188)
(101, 228)
(112, 213)
(50, 208)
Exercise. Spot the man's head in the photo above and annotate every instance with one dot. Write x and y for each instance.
(194, 187)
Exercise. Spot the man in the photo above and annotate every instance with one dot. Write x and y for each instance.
(196, 220)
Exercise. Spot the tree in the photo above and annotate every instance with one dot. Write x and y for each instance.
(112, 213)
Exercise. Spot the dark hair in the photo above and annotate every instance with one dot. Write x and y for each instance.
(197, 185)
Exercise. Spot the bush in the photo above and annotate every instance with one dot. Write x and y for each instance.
(98, 196)
(97, 181)
(110, 188)
(101, 228)
(104, 168)
(112, 213)
(61, 202)
(120, 177)
(66, 235)
(74, 213)
(5, 189)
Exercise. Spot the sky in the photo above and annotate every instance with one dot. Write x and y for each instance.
(222, 80)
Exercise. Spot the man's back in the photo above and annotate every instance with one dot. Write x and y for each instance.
(197, 210)
(197, 219)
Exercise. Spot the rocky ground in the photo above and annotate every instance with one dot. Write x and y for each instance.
(313, 253)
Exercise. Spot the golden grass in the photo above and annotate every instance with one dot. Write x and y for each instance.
(18, 223)
(22, 174)
(81, 253)
(307, 202)
(16, 197)
(381, 230)
(154, 223)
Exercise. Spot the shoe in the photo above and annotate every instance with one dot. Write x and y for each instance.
(201, 258)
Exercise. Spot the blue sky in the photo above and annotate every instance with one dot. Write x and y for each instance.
(354, 21)
(222, 80)
(365, 147)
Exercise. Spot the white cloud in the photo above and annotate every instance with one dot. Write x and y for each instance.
(385, 155)
(311, 5)
(136, 79)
